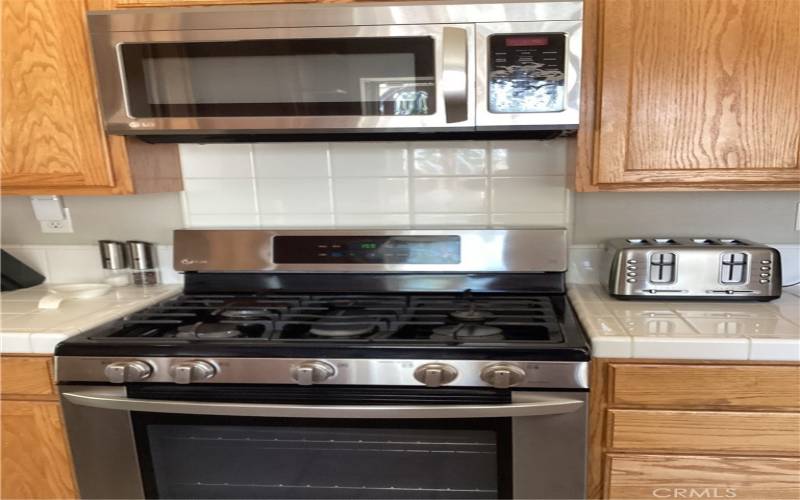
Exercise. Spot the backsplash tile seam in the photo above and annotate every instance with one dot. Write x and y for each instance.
(254, 184)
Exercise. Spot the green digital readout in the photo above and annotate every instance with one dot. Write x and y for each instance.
(369, 246)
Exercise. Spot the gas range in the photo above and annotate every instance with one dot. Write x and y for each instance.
(511, 313)
(338, 364)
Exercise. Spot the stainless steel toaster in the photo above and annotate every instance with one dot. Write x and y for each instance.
(692, 268)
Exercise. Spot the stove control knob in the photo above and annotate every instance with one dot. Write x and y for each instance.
(192, 371)
(503, 375)
(312, 372)
(435, 374)
(127, 371)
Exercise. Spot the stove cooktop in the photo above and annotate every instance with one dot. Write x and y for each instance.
(382, 325)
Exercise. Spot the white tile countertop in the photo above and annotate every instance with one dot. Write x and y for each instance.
(758, 331)
(24, 328)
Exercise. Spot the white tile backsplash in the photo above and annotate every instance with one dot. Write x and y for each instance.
(373, 220)
(291, 159)
(220, 196)
(450, 158)
(215, 160)
(297, 220)
(294, 195)
(451, 194)
(80, 264)
(371, 194)
(374, 184)
(529, 158)
(369, 159)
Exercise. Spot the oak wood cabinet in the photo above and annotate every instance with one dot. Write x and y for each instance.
(52, 136)
(35, 461)
(673, 429)
(688, 95)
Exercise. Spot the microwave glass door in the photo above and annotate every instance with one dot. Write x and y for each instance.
(390, 78)
(354, 76)
(190, 456)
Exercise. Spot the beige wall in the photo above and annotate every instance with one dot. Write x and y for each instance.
(149, 217)
(765, 217)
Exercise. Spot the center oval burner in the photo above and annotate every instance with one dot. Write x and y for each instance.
(466, 330)
(246, 314)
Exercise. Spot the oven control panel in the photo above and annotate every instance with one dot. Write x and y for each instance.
(527, 72)
(435, 249)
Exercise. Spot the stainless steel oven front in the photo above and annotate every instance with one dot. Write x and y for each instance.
(443, 66)
(267, 441)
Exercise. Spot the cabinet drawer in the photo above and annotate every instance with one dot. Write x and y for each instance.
(661, 476)
(738, 433)
(705, 386)
(26, 376)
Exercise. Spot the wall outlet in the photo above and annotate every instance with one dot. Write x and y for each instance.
(58, 226)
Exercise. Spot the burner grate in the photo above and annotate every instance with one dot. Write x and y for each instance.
(424, 319)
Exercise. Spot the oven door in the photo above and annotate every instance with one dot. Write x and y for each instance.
(391, 78)
(325, 442)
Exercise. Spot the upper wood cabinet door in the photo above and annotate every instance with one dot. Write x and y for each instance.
(52, 136)
(693, 94)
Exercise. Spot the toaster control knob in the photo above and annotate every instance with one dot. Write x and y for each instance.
(128, 371)
(192, 371)
(435, 374)
(312, 372)
(503, 375)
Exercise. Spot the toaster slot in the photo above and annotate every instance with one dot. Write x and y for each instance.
(734, 267)
(662, 267)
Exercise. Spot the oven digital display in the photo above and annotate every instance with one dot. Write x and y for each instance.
(367, 250)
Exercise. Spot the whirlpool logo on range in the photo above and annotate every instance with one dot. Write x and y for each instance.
(694, 492)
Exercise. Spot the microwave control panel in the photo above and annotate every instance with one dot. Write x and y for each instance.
(526, 72)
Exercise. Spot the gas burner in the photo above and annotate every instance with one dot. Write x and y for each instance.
(466, 331)
(208, 331)
(246, 314)
(471, 315)
(340, 327)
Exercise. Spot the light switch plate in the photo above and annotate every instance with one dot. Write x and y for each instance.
(58, 226)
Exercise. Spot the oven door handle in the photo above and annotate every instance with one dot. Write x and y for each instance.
(533, 406)
(454, 74)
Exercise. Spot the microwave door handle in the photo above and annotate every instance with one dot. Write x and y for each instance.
(535, 406)
(454, 74)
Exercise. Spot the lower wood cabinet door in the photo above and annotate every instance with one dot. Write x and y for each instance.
(35, 462)
(675, 476)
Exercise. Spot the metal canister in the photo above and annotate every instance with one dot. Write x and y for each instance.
(143, 263)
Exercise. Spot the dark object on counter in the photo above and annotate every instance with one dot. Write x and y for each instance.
(16, 275)
(692, 268)
(143, 263)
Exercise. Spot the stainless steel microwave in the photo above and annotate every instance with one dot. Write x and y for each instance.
(378, 67)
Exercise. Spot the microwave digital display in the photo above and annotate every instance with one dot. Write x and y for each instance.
(527, 41)
(527, 73)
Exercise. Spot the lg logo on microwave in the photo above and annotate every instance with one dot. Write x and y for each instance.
(189, 262)
(142, 124)
(694, 492)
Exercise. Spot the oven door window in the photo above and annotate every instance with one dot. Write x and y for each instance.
(185, 456)
(365, 76)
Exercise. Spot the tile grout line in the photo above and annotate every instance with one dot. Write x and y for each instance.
(410, 193)
(489, 185)
(254, 182)
(331, 191)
